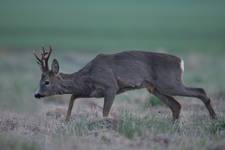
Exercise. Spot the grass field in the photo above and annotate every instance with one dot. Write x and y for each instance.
(78, 31)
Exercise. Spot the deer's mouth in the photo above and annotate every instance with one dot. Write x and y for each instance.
(38, 95)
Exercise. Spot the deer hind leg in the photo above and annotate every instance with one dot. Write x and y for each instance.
(169, 101)
(197, 93)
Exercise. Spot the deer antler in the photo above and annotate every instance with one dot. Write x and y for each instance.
(43, 60)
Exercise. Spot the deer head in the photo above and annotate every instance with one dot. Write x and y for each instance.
(50, 79)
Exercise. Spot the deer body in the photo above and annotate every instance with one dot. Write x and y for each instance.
(126, 71)
(109, 75)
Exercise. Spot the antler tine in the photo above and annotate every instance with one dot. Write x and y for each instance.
(49, 53)
(44, 52)
(37, 57)
(43, 49)
(46, 56)
(43, 60)
(39, 61)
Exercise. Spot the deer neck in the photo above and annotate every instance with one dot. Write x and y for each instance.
(70, 84)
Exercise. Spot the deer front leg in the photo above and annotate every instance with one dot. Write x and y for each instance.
(108, 101)
(72, 99)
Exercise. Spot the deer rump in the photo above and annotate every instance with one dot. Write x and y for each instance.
(133, 70)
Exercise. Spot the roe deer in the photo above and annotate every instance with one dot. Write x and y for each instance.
(109, 75)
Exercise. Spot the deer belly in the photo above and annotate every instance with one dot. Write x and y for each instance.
(130, 84)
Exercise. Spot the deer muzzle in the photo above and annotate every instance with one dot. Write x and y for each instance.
(38, 95)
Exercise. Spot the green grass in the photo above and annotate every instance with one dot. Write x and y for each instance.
(153, 101)
(77, 127)
(104, 25)
(132, 125)
(216, 128)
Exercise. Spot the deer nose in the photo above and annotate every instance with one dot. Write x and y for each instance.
(37, 95)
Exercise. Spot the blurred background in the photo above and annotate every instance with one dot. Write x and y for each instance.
(79, 30)
(103, 25)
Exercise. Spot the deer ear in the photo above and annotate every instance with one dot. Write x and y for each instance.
(55, 66)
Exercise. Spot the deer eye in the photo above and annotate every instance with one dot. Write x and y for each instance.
(46, 82)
